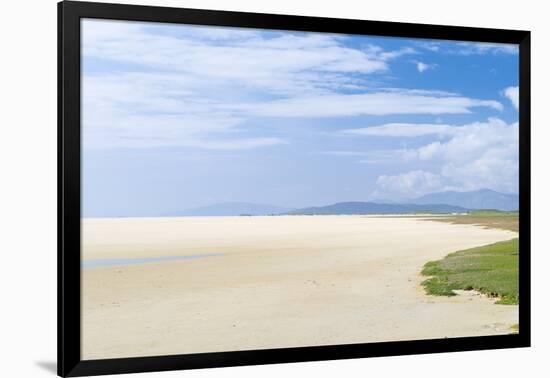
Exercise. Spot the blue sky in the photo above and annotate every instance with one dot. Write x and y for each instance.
(176, 116)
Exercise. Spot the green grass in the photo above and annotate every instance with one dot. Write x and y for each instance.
(491, 269)
(486, 218)
(493, 213)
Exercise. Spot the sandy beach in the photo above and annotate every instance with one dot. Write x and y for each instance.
(270, 282)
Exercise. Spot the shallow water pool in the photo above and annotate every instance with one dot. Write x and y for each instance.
(100, 263)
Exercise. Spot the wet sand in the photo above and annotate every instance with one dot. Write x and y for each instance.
(272, 282)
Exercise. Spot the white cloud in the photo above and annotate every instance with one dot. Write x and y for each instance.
(378, 103)
(411, 183)
(179, 89)
(390, 156)
(344, 153)
(281, 63)
(429, 151)
(112, 130)
(421, 92)
(423, 129)
(401, 130)
(188, 85)
(126, 110)
(397, 53)
(465, 157)
(469, 48)
(512, 93)
(421, 67)
(237, 144)
(431, 46)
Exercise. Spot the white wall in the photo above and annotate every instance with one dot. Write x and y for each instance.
(28, 185)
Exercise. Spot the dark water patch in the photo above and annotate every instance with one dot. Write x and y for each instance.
(100, 263)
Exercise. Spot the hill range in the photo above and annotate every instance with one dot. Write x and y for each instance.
(433, 203)
(349, 208)
(478, 199)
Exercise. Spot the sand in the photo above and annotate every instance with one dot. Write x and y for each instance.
(283, 281)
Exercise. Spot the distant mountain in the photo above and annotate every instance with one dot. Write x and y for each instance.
(348, 208)
(479, 199)
(231, 208)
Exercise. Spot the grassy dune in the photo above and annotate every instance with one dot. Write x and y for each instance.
(491, 269)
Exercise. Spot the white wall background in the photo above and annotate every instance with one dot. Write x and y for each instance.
(28, 186)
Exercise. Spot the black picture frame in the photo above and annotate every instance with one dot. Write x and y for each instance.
(69, 15)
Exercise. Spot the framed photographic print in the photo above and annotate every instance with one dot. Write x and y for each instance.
(239, 188)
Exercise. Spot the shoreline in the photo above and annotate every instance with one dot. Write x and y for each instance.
(373, 215)
(316, 281)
